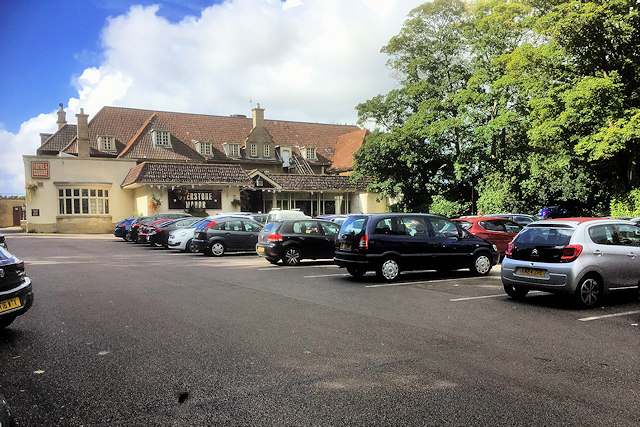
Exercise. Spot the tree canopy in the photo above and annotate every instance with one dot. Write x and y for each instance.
(508, 106)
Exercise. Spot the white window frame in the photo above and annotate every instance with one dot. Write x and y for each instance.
(266, 151)
(254, 150)
(205, 148)
(161, 138)
(234, 150)
(83, 200)
(107, 143)
(309, 153)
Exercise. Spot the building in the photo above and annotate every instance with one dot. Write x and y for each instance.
(125, 162)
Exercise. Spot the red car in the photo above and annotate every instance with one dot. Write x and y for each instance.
(499, 231)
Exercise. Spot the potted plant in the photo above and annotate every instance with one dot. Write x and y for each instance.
(31, 188)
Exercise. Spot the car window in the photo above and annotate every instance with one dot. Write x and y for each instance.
(414, 226)
(385, 226)
(306, 227)
(251, 226)
(552, 236)
(512, 227)
(601, 234)
(493, 225)
(627, 235)
(235, 225)
(444, 228)
(330, 229)
(352, 225)
(465, 224)
(271, 226)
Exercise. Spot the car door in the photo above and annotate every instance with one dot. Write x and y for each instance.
(310, 237)
(250, 237)
(330, 231)
(416, 243)
(612, 257)
(628, 236)
(234, 235)
(451, 250)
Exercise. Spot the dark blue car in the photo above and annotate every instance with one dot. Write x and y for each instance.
(122, 227)
(554, 212)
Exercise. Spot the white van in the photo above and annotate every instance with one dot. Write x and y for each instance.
(277, 213)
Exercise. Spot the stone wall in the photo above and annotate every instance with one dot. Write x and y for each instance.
(6, 211)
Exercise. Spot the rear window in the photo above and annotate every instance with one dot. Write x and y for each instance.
(353, 225)
(272, 226)
(465, 224)
(550, 236)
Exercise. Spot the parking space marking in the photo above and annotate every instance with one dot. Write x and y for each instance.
(470, 298)
(604, 316)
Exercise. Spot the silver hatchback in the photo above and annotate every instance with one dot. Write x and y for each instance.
(584, 257)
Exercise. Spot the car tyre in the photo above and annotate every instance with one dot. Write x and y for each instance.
(388, 270)
(190, 247)
(217, 249)
(292, 256)
(589, 292)
(128, 237)
(6, 321)
(516, 292)
(481, 264)
(356, 272)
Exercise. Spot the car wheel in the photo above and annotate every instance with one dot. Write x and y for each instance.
(481, 265)
(217, 249)
(589, 292)
(128, 237)
(388, 270)
(292, 256)
(6, 321)
(516, 292)
(190, 247)
(356, 272)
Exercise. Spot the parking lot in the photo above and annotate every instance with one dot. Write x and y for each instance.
(126, 334)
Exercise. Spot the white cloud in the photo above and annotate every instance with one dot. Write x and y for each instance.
(302, 60)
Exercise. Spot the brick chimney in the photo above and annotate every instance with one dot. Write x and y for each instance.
(83, 135)
(258, 116)
(62, 117)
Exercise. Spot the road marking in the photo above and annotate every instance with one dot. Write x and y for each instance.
(326, 275)
(586, 319)
(470, 298)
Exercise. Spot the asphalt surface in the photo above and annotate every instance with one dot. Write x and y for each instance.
(128, 335)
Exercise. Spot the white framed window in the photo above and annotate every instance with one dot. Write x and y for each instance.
(205, 148)
(161, 138)
(254, 150)
(309, 153)
(234, 150)
(266, 150)
(83, 201)
(107, 143)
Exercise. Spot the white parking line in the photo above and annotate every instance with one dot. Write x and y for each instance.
(470, 298)
(586, 319)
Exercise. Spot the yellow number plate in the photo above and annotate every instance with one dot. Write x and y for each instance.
(532, 272)
(9, 304)
(345, 246)
(260, 249)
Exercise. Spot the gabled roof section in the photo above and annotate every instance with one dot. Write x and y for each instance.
(293, 182)
(180, 173)
(346, 147)
(58, 141)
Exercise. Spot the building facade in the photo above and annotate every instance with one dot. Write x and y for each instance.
(126, 162)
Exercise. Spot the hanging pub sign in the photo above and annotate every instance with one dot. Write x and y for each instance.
(195, 199)
(40, 170)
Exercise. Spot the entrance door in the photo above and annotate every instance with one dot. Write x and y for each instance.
(17, 215)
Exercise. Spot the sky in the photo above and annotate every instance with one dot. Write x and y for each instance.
(302, 60)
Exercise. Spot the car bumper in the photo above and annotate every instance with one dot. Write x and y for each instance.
(24, 292)
(268, 251)
(555, 277)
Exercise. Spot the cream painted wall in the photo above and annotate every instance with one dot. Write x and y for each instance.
(73, 170)
(368, 203)
(142, 198)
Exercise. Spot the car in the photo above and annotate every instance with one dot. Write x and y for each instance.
(292, 240)
(159, 235)
(147, 228)
(499, 231)
(182, 239)
(3, 241)
(586, 258)
(132, 234)
(338, 219)
(554, 212)
(122, 228)
(394, 242)
(277, 213)
(522, 219)
(227, 234)
(16, 291)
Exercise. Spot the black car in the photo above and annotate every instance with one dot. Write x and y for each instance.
(3, 241)
(394, 242)
(160, 234)
(16, 293)
(227, 234)
(132, 233)
(292, 240)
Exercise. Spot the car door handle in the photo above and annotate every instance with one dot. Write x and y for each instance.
(631, 255)
(597, 253)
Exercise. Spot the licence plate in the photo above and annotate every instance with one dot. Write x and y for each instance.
(260, 249)
(532, 272)
(9, 304)
(345, 246)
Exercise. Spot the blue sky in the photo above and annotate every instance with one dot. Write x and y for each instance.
(302, 60)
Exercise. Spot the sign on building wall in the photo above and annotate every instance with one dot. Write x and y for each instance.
(40, 170)
(195, 199)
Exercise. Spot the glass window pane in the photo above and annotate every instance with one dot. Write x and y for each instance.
(100, 206)
(106, 206)
(106, 193)
(68, 211)
(99, 193)
(61, 206)
(67, 192)
(93, 205)
(76, 192)
(76, 206)
(60, 193)
(93, 193)
(85, 192)
(85, 206)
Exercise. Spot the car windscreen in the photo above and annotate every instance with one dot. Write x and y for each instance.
(547, 236)
(465, 224)
(353, 225)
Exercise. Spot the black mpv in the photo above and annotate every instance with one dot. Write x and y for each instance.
(393, 242)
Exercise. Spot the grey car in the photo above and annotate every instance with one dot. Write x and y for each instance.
(584, 257)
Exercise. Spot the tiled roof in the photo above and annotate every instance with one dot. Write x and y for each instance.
(179, 173)
(130, 128)
(59, 140)
(317, 182)
(347, 145)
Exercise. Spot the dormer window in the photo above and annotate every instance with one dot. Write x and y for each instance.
(106, 143)
(232, 150)
(309, 153)
(161, 138)
(205, 148)
(254, 150)
(266, 150)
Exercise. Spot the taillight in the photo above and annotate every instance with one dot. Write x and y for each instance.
(20, 266)
(274, 238)
(158, 229)
(509, 250)
(364, 243)
(570, 253)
